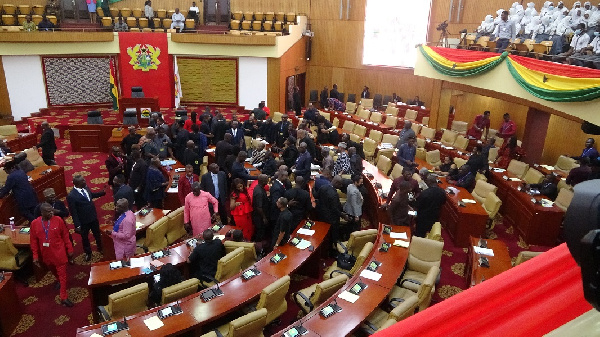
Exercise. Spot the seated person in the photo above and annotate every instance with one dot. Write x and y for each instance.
(464, 178)
(178, 20)
(120, 25)
(578, 42)
(478, 162)
(491, 143)
(169, 275)
(259, 155)
(205, 256)
(547, 187)
(581, 173)
(45, 24)
(447, 168)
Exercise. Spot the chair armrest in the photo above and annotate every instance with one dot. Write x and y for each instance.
(370, 328)
(402, 274)
(340, 272)
(306, 301)
(103, 313)
(439, 276)
(411, 281)
(219, 334)
(395, 299)
(210, 278)
(143, 247)
(345, 248)
(25, 254)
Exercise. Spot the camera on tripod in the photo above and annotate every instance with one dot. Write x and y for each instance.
(442, 26)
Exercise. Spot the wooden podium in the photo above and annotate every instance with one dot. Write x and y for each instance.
(138, 104)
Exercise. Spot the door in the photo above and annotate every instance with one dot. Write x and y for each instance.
(291, 82)
(216, 12)
(74, 9)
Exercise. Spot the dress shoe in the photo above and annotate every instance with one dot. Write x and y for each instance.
(67, 303)
(57, 286)
(88, 257)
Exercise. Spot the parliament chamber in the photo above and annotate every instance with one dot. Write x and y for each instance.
(386, 99)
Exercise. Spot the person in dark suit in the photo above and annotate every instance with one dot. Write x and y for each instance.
(350, 143)
(179, 138)
(297, 101)
(329, 208)
(238, 170)
(260, 208)
(237, 135)
(204, 258)
(464, 178)
(115, 164)
(323, 98)
(122, 191)
(47, 144)
(365, 93)
(356, 164)
(268, 130)
(290, 152)
(24, 194)
(83, 212)
(270, 165)
(282, 130)
(129, 140)
(222, 150)
(215, 183)
(251, 127)
(299, 201)
(302, 166)
(416, 101)
(137, 178)
(283, 226)
(428, 205)
(310, 144)
(60, 209)
(276, 191)
(191, 157)
(259, 113)
(333, 93)
(219, 126)
(547, 187)
(154, 191)
(478, 162)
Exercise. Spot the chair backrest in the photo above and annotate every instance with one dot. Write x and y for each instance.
(421, 144)
(327, 288)
(433, 158)
(377, 100)
(518, 168)
(425, 120)
(428, 132)
(34, 157)
(179, 290)
(416, 128)
(461, 142)
(533, 176)
(391, 121)
(156, 235)
(436, 232)
(175, 228)
(249, 251)
(405, 309)
(391, 139)
(369, 147)
(364, 114)
(384, 164)
(230, 264)
(272, 298)
(348, 126)
(3, 177)
(128, 301)
(493, 154)
(449, 137)
(336, 122)
(7, 251)
(424, 253)
(8, 130)
(350, 107)
(367, 102)
(396, 171)
(482, 189)
(277, 116)
(458, 161)
(351, 98)
(426, 289)
(326, 115)
(251, 324)
(492, 204)
(525, 255)
(391, 110)
(314, 96)
(359, 239)
(565, 163)
(362, 256)
(376, 135)
(376, 117)
(360, 130)
(563, 199)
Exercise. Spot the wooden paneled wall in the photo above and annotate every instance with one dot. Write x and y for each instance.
(292, 62)
(564, 137)
(5, 110)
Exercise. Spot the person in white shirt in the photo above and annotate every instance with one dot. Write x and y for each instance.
(576, 7)
(588, 60)
(486, 28)
(178, 20)
(193, 12)
(149, 13)
(579, 41)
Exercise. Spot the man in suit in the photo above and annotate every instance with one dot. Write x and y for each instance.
(179, 136)
(122, 191)
(302, 167)
(277, 191)
(323, 98)
(24, 194)
(334, 92)
(283, 227)
(350, 143)
(237, 135)
(83, 212)
(60, 209)
(329, 208)
(223, 149)
(129, 140)
(115, 164)
(310, 144)
(238, 170)
(299, 201)
(205, 257)
(47, 144)
(282, 130)
(260, 208)
(137, 178)
(428, 205)
(215, 183)
(416, 101)
(259, 113)
(219, 126)
(191, 157)
(365, 93)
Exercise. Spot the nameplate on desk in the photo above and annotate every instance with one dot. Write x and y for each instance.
(374, 265)
(330, 310)
(277, 258)
(24, 230)
(371, 275)
(118, 264)
(295, 331)
(499, 170)
(484, 262)
(387, 229)
(483, 251)
(174, 309)
(144, 212)
(385, 247)
(250, 273)
(307, 232)
(160, 254)
(217, 227)
(210, 294)
(400, 235)
(308, 224)
(114, 327)
(358, 288)
(193, 242)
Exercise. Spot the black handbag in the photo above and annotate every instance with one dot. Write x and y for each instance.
(344, 260)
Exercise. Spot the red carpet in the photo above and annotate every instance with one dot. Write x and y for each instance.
(43, 316)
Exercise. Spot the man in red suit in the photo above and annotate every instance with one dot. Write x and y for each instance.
(507, 129)
(49, 238)
(185, 183)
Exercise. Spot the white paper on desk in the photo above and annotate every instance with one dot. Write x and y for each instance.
(220, 237)
(371, 275)
(453, 189)
(210, 150)
(116, 264)
(469, 201)
(136, 262)
(304, 231)
(498, 170)
(303, 244)
(347, 296)
(168, 162)
(514, 179)
(314, 167)
(95, 335)
(396, 235)
(548, 167)
(401, 243)
(172, 190)
(547, 203)
(138, 225)
(153, 323)
(386, 146)
(483, 251)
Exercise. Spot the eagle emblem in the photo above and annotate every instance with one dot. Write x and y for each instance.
(144, 57)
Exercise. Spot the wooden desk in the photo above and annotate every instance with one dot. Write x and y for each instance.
(18, 239)
(546, 170)
(196, 313)
(446, 151)
(171, 201)
(55, 178)
(374, 210)
(538, 225)
(499, 263)
(21, 141)
(11, 308)
(90, 138)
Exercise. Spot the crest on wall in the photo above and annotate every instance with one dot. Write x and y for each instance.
(144, 57)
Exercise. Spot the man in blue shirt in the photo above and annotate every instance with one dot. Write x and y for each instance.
(407, 152)
(505, 31)
(18, 182)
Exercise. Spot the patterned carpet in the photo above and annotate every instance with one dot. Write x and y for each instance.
(43, 316)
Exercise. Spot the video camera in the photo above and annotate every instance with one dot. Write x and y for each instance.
(442, 26)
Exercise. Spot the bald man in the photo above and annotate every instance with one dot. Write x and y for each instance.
(123, 231)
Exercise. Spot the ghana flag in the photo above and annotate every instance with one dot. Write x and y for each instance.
(461, 62)
(555, 82)
(114, 89)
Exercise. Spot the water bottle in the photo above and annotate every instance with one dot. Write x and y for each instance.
(11, 222)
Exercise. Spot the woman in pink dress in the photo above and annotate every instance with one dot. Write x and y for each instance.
(196, 212)
(241, 208)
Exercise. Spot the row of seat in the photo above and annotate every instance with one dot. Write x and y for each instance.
(264, 17)
(13, 20)
(260, 26)
(378, 101)
(11, 9)
(390, 115)
(519, 46)
(138, 12)
(133, 22)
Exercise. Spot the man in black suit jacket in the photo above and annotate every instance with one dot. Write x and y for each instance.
(323, 98)
(191, 157)
(310, 144)
(237, 135)
(115, 164)
(334, 92)
(219, 126)
(222, 150)
(283, 131)
(47, 144)
(302, 167)
(83, 212)
(238, 170)
(260, 208)
(207, 183)
(179, 138)
(122, 191)
(350, 143)
(24, 194)
(299, 201)
(277, 191)
(137, 178)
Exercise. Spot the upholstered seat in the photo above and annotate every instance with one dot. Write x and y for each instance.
(423, 254)
(179, 290)
(449, 137)
(563, 199)
(396, 171)
(411, 114)
(227, 267)
(272, 298)
(10, 257)
(357, 241)
(376, 117)
(376, 135)
(525, 255)
(34, 157)
(491, 205)
(459, 127)
(348, 126)
(378, 318)
(156, 237)
(493, 154)
(334, 270)
(391, 121)
(384, 164)
(565, 163)
(433, 158)
(391, 139)
(518, 168)
(436, 232)
(249, 251)
(125, 302)
(130, 117)
(363, 114)
(175, 228)
(369, 149)
(367, 103)
(360, 130)
(391, 110)
(249, 325)
(94, 116)
(459, 162)
(309, 298)
(8, 130)
(482, 189)
(416, 128)
(350, 107)
(533, 176)
(428, 132)
(461, 143)
(424, 290)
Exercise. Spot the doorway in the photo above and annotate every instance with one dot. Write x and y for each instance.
(216, 12)
(299, 81)
(75, 10)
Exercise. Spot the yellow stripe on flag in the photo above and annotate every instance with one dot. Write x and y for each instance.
(553, 82)
(457, 65)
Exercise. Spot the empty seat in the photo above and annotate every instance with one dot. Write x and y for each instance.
(459, 162)
(9, 9)
(94, 117)
(367, 103)
(248, 16)
(267, 26)
(391, 110)
(272, 298)
(433, 158)
(565, 163)
(290, 17)
(280, 16)
(360, 130)
(161, 13)
(411, 114)
(348, 126)
(34, 157)
(179, 290)
(175, 226)
(379, 318)
(461, 143)
(131, 21)
(449, 137)
(107, 22)
(376, 135)
(10, 257)
(256, 26)
(376, 117)
(518, 168)
(357, 241)
(249, 252)
(428, 132)
(352, 98)
(533, 176)
(143, 23)
(157, 23)
(259, 16)
(459, 127)
(384, 164)
(269, 16)
(436, 232)
(491, 205)
(129, 115)
(246, 25)
(156, 237)
(166, 23)
(423, 290)
(190, 24)
(396, 171)
(416, 128)
(369, 149)
(24, 9)
(21, 18)
(563, 199)
(423, 254)
(137, 12)
(391, 121)
(238, 15)
(251, 324)
(493, 154)
(391, 139)
(9, 20)
(482, 189)
(8, 130)
(363, 114)
(309, 298)
(125, 302)
(334, 270)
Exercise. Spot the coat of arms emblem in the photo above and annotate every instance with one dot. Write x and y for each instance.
(144, 57)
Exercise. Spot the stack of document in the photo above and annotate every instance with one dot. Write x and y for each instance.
(315, 167)
(483, 251)
(386, 146)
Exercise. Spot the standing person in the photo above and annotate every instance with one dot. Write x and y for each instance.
(333, 93)
(191, 157)
(282, 130)
(223, 149)
(480, 124)
(507, 129)
(406, 176)
(302, 165)
(505, 32)
(276, 191)
(398, 207)
(205, 257)
(237, 135)
(215, 183)
(259, 113)
(290, 152)
(299, 202)
(297, 101)
(507, 152)
(129, 140)
(47, 144)
(115, 164)
(365, 93)
(329, 208)
(588, 151)
(354, 203)
(193, 120)
(241, 208)
(356, 162)
(83, 212)
(193, 12)
(196, 213)
(428, 205)
(238, 170)
(303, 137)
(122, 191)
(178, 20)
(323, 97)
(283, 226)
(407, 153)
(49, 238)
(327, 162)
(24, 194)
(270, 165)
(260, 208)
(154, 191)
(123, 231)
(149, 13)
(185, 183)
(478, 162)
(91, 5)
(180, 137)
(406, 133)
(342, 164)
(137, 178)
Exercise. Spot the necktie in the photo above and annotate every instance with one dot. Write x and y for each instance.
(84, 193)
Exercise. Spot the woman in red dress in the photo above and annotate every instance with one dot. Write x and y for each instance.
(241, 208)
(509, 151)
(189, 122)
